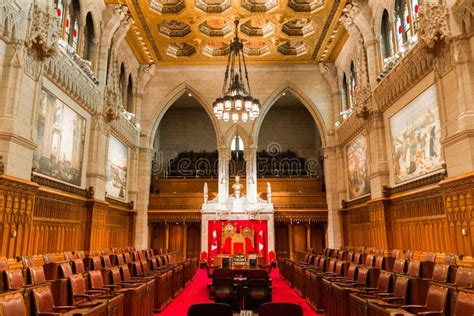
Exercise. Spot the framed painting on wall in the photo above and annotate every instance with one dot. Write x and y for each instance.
(416, 138)
(117, 169)
(60, 140)
(358, 167)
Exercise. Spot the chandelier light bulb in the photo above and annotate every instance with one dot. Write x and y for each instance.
(227, 102)
(235, 117)
(238, 100)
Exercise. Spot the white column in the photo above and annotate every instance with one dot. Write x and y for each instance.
(143, 196)
(330, 175)
(204, 232)
(271, 232)
(251, 165)
(223, 187)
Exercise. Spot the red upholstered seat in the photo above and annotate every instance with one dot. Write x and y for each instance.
(207, 309)
(464, 304)
(280, 309)
(12, 305)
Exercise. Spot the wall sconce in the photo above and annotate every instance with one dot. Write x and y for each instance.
(464, 232)
(13, 234)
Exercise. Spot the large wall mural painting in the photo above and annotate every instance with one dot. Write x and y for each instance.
(60, 140)
(415, 136)
(117, 169)
(358, 167)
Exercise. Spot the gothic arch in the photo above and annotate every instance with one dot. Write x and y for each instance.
(303, 98)
(231, 132)
(161, 109)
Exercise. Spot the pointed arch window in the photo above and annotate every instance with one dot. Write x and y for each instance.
(88, 39)
(61, 14)
(386, 39)
(344, 93)
(130, 95)
(405, 19)
(237, 148)
(352, 84)
(122, 84)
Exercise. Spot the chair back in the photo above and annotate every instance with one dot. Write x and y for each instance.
(331, 265)
(96, 280)
(440, 273)
(106, 261)
(14, 279)
(222, 273)
(436, 298)
(125, 271)
(400, 266)
(280, 309)
(43, 299)
(206, 309)
(12, 305)
(36, 275)
(380, 262)
(357, 258)
(362, 275)
(384, 282)
(464, 277)
(78, 266)
(352, 272)
(464, 304)
(414, 268)
(96, 263)
(370, 260)
(401, 287)
(3, 263)
(78, 285)
(257, 274)
(115, 275)
(65, 270)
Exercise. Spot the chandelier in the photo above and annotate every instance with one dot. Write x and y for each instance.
(236, 102)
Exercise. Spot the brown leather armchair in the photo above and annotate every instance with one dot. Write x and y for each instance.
(44, 303)
(223, 291)
(435, 302)
(12, 305)
(256, 292)
(464, 304)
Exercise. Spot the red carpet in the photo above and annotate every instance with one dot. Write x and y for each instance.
(196, 292)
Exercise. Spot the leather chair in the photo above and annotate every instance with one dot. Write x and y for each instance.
(222, 291)
(280, 309)
(400, 266)
(109, 294)
(12, 305)
(378, 302)
(435, 302)
(78, 266)
(13, 280)
(464, 304)
(207, 309)
(79, 293)
(60, 286)
(257, 292)
(359, 298)
(322, 298)
(135, 294)
(149, 286)
(339, 299)
(35, 275)
(44, 303)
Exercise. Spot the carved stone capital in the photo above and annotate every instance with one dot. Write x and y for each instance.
(42, 40)
(363, 101)
(433, 25)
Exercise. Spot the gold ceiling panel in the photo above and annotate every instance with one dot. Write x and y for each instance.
(199, 31)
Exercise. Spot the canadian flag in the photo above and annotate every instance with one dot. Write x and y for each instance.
(260, 242)
(214, 245)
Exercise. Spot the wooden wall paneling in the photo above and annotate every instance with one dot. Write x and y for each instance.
(17, 200)
(193, 240)
(281, 239)
(299, 237)
(458, 197)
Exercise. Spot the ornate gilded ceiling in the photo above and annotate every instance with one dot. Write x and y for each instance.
(199, 31)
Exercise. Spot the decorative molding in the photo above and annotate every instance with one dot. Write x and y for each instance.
(36, 178)
(417, 63)
(11, 15)
(433, 24)
(352, 126)
(67, 74)
(432, 179)
(463, 11)
(355, 202)
(302, 217)
(42, 42)
(2, 165)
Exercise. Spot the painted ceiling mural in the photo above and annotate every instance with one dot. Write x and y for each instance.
(199, 31)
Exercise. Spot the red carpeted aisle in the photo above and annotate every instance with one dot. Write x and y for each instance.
(197, 292)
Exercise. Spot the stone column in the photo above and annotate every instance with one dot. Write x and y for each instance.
(143, 197)
(97, 156)
(271, 232)
(204, 233)
(331, 175)
(223, 186)
(251, 165)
